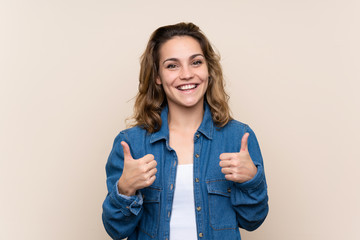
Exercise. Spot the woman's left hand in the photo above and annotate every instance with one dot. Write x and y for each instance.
(238, 167)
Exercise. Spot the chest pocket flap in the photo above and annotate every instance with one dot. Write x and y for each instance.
(221, 187)
(151, 194)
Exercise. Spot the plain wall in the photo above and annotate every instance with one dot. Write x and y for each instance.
(69, 73)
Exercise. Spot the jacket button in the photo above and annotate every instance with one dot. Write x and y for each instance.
(171, 187)
(229, 190)
(197, 155)
(198, 208)
(201, 234)
(197, 135)
(196, 180)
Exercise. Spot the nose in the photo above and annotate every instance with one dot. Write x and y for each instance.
(186, 73)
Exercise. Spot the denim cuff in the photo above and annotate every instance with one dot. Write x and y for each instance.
(127, 204)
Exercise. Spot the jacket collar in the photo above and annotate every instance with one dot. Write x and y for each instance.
(206, 126)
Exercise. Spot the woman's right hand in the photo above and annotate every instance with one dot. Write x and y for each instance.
(137, 173)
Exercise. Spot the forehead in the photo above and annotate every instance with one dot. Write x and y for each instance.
(180, 47)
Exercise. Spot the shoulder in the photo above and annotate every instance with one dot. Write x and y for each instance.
(236, 126)
(132, 133)
(235, 129)
(136, 137)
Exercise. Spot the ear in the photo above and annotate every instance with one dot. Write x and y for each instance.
(158, 80)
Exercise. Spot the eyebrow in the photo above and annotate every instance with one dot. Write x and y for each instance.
(191, 57)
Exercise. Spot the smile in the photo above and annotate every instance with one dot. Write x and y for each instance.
(187, 87)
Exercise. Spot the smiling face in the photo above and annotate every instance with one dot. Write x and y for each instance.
(183, 72)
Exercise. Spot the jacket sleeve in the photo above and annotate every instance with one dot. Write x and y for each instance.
(121, 214)
(250, 199)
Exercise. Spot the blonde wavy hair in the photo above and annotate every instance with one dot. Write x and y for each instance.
(151, 97)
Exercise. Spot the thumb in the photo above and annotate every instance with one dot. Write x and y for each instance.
(126, 148)
(244, 142)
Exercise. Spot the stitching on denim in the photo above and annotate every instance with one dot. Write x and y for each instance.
(217, 191)
(209, 201)
(156, 224)
(157, 195)
(211, 224)
(157, 221)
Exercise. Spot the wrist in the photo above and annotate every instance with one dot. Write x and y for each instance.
(124, 190)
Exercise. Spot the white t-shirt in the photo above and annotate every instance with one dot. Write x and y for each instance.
(183, 222)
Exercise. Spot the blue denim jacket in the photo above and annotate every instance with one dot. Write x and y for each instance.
(222, 206)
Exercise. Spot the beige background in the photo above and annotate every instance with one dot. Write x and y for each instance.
(68, 75)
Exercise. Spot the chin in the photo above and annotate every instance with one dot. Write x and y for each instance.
(193, 104)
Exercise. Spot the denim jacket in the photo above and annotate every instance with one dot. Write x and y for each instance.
(221, 206)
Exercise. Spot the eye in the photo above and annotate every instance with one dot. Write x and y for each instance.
(197, 62)
(170, 66)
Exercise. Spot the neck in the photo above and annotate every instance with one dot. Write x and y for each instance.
(185, 119)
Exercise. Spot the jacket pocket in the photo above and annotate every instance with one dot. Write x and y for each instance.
(222, 214)
(150, 218)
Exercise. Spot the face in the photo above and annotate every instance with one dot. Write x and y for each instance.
(183, 72)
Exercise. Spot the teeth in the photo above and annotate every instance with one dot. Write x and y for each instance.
(187, 87)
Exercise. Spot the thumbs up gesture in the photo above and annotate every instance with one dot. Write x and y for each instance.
(238, 167)
(137, 173)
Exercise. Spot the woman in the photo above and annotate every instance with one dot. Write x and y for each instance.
(186, 169)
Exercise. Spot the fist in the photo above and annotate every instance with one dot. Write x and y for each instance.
(137, 173)
(238, 167)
